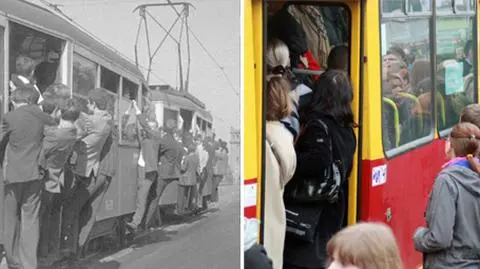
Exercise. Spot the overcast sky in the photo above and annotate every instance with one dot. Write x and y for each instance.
(214, 22)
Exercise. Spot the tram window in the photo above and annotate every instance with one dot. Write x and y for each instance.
(456, 56)
(129, 93)
(406, 88)
(84, 75)
(169, 114)
(109, 80)
(45, 50)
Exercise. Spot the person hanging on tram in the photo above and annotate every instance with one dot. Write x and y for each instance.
(148, 161)
(21, 138)
(170, 153)
(451, 238)
(58, 145)
(95, 129)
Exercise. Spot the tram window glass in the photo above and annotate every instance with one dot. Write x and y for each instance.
(84, 75)
(169, 114)
(412, 6)
(456, 56)
(111, 82)
(45, 51)
(129, 93)
(406, 81)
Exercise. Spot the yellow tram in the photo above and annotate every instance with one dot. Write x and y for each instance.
(394, 167)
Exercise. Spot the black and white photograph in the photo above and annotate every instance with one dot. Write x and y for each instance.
(120, 134)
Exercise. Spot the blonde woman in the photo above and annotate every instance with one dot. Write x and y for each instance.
(364, 246)
(278, 62)
(280, 159)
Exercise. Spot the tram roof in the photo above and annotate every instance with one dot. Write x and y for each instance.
(47, 18)
(185, 100)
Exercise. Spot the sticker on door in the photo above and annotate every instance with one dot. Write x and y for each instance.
(379, 175)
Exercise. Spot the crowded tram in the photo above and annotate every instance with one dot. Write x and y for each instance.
(88, 149)
(395, 77)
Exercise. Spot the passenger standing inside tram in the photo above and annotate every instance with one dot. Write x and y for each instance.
(95, 128)
(280, 158)
(25, 68)
(331, 104)
(21, 138)
(170, 156)
(149, 144)
(57, 147)
(451, 238)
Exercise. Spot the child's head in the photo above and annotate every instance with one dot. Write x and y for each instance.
(98, 99)
(471, 114)
(364, 246)
(70, 112)
(25, 95)
(463, 140)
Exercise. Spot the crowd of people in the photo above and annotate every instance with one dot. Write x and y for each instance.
(60, 156)
(309, 149)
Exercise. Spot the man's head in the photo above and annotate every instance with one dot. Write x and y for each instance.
(393, 63)
(170, 125)
(70, 112)
(25, 95)
(338, 58)
(25, 66)
(98, 99)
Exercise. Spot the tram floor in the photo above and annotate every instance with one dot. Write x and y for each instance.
(206, 241)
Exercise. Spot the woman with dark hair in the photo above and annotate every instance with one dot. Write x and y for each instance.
(327, 140)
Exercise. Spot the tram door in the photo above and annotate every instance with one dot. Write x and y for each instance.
(3, 104)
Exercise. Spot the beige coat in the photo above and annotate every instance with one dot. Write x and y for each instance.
(280, 164)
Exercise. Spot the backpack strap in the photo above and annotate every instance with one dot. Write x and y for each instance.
(334, 151)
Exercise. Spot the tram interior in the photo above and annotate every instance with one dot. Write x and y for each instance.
(323, 28)
(43, 49)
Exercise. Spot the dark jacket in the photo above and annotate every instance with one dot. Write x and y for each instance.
(21, 137)
(170, 156)
(312, 160)
(452, 236)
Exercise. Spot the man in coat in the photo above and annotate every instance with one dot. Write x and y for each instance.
(21, 136)
(170, 155)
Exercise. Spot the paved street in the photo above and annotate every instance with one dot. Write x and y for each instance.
(209, 241)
